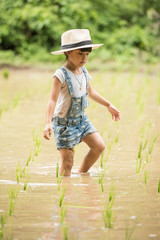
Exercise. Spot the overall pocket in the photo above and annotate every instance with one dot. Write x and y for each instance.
(60, 129)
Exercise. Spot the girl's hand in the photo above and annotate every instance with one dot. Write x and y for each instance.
(114, 112)
(47, 131)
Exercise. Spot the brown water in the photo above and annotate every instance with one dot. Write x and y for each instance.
(36, 214)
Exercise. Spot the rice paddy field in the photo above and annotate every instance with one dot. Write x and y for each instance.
(120, 196)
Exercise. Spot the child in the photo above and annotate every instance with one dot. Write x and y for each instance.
(68, 100)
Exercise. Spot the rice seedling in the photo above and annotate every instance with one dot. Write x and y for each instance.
(156, 137)
(26, 180)
(19, 172)
(59, 180)
(146, 176)
(148, 158)
(151, 146)
(24, 172)
(37, 147)
(2, 226)
(117, 138)
(38, 141)
(109, 146)
(62, 214)
(57, 170)
(5, 73)
(129, 233)
(112, 193)
(140, 150)
(62, 196)
(65, 232)
(142, 131)
(159, 186)
(13, 193)
(108, 214)
(28, 160)
(139, 165)
(145, 144)
(100, 181)
(101, 160)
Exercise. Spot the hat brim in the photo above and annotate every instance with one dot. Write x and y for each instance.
(93, 46)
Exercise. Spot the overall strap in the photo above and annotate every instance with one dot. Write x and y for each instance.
(68, 80)
(86, 76)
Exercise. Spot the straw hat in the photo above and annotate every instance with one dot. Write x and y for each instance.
(76, 39)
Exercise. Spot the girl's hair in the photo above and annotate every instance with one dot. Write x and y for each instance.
(89, 49)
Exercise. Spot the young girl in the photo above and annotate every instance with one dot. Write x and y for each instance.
(68, 100)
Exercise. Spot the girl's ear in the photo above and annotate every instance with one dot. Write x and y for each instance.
(67, 53)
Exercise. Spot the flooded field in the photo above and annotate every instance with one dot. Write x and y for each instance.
(120, 196)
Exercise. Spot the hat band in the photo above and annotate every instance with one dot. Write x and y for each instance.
(74, 45)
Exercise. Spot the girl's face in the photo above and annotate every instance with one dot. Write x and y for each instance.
(77, 57)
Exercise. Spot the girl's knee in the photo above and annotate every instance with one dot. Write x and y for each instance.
(100, 147)
(67, 159)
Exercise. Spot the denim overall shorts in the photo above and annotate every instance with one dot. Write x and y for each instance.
(70, 131)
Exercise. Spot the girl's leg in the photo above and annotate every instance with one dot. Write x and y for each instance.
(67, 161)
(97, 146)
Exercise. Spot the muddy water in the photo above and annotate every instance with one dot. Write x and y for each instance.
(36, 214)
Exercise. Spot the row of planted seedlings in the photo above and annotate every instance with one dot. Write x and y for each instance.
(108, 213)
(147, 140)
(22, 174)
(62, 207)
(145, 151)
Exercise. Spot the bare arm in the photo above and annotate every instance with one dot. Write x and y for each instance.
(55, 90)
(95, 96)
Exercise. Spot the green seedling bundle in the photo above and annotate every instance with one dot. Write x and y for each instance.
(62, 196)
(2, 226)
(65, 232)
(100, 181)
(12, 193)
(62, 213)
(109, 214)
